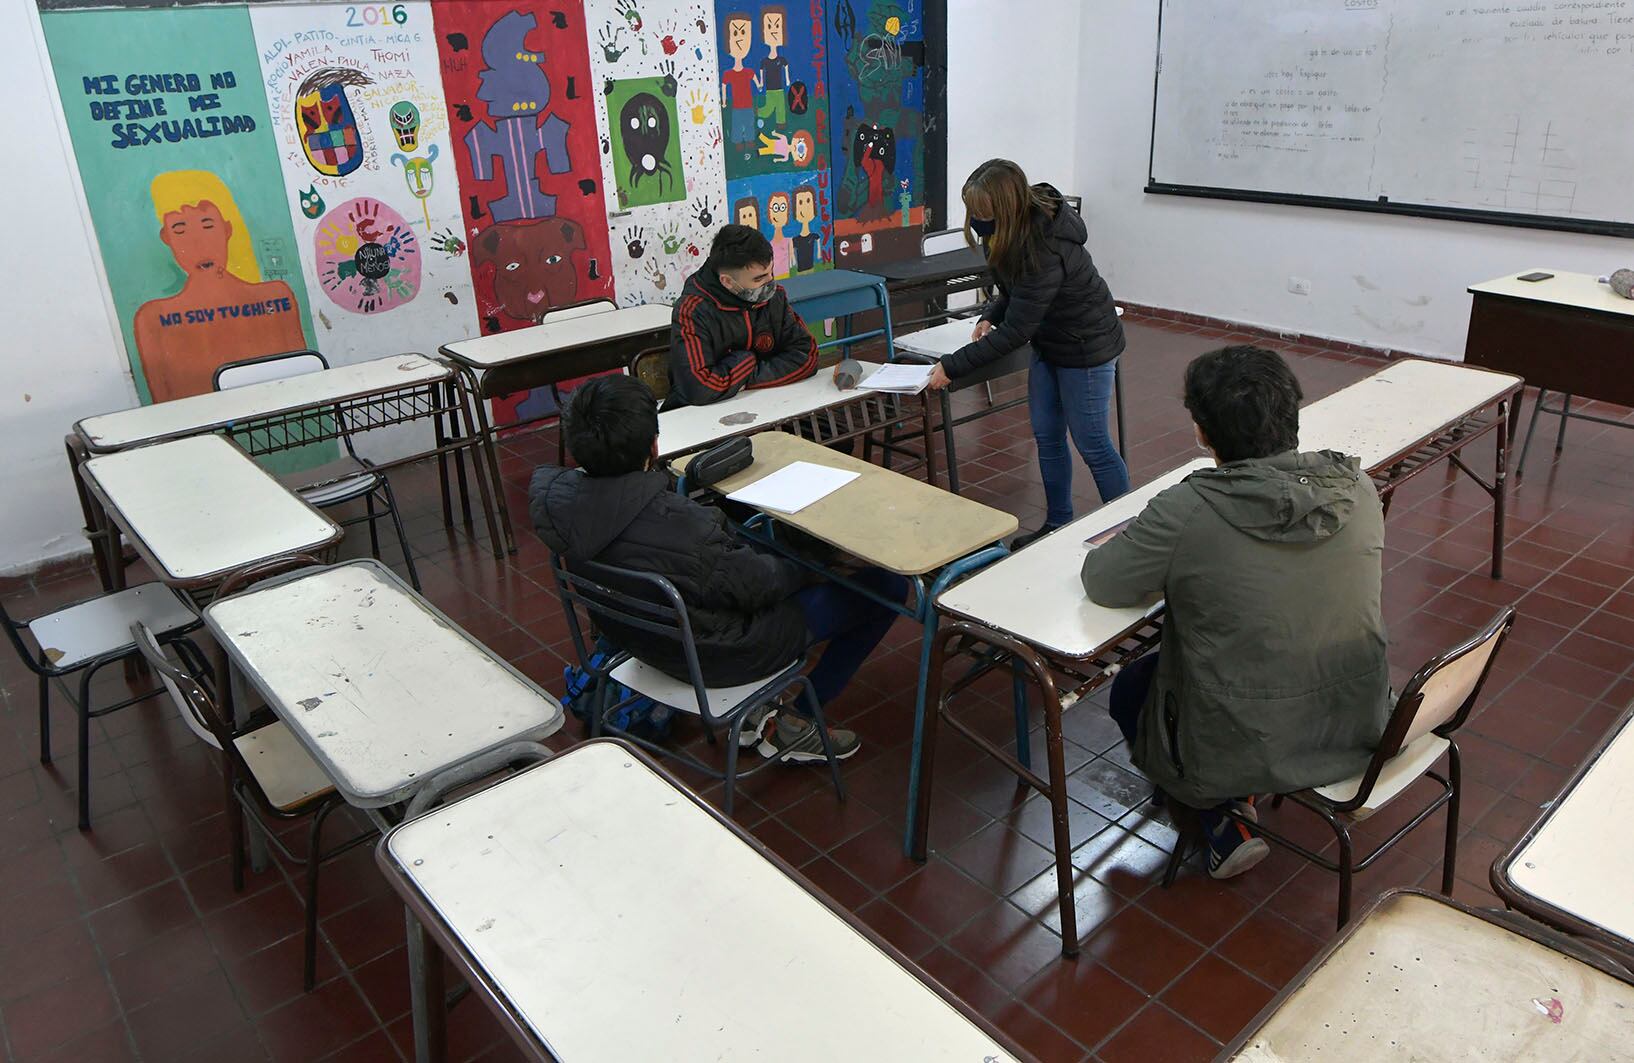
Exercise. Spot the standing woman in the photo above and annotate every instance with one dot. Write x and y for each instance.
(1051, 296)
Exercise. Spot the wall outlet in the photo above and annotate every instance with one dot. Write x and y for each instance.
(1299, 285)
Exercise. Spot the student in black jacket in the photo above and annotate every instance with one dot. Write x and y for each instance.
(1050, 295)
(733, 326)
(751, 612)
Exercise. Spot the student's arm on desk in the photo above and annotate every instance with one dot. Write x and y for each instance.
(795, 356)
(1133, 567)
(700, 370)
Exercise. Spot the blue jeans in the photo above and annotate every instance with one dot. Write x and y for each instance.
(1076, 400)
(850, 623)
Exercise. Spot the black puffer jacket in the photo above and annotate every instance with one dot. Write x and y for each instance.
(739, 600)
(720, 344)
(1064, 308)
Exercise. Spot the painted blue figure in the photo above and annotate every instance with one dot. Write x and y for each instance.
(517, 91)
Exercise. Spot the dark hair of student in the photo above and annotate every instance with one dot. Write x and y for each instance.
(1246, 401)
(737, 246)
(998, 190)
(611, 422)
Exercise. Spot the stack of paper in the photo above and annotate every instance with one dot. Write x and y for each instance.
(898, 378)
(793, 487)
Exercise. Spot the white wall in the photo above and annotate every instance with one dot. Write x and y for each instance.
(1014, 91)
(63, 359)
(1382, 280)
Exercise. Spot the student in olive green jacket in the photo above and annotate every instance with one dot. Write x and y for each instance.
(1271, 676)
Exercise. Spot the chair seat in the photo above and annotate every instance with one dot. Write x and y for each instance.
(1400, 772)
(97, 628)
(677, 693)
(286, 771)
(332, 483)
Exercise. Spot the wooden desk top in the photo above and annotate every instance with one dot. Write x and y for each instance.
(213, 410)
(691, 428)
(882, 518)
(1035, 593)
(382, 690)
(198, 508)
(1418, 978)
(551, 336)
(1580, 290)
(594, 862)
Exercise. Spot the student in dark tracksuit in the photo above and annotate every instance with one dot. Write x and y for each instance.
(1050, 296)
(733, 327)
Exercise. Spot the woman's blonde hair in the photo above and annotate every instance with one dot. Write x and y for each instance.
(176, 189)
(998, 189)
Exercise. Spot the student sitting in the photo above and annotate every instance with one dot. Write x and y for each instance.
(733, 326)
(1272, 674)
(751, 612)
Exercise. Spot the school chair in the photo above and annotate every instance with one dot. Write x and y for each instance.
(345, 480)
(85, 637)
(266, 772)
(1429, 710)
(651, 367)
(651, 604)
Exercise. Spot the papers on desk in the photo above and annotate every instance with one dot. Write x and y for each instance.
(898, 378)
(793, 487)
(1100, 538)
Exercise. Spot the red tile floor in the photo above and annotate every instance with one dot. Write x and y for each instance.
(128, 942)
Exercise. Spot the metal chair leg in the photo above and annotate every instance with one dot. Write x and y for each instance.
(1117, 404)
(1531, 426)
(314, 859)
(1018, 694)
(949, 448)
(374, 532)
(732, 731)
(402, 536)
(1060, 822)
(1565, 415)
(84, 708)
(45, 719)
(1346, 873)
(1449, 865)
(810, 694)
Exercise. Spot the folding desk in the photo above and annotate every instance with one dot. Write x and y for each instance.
(1574, 869)
(599, 909)
(198, 509)
(833, 293)
(934, 277)
(1420, 977)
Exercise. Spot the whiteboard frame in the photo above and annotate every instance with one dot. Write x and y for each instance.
(1383, 205)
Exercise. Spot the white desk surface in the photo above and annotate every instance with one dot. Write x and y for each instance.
(382, 690)
(219, 409)
(701, 948)
(1379, 417)
(694, 427)
(199, 508)
(939, 340)
(1420, 980)
(1579, 860)
(563, 334)
(1035, 593)
(1581, 290)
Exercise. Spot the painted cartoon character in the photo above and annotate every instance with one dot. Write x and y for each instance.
(405, 124)
(328, 128)
(806, 242)
(644, 130)
(873, 151)
(417, 172)
(516, 90)
(311, 202)
(738, 83)
(533, 264)
(747, 212)
(773, 79)
(777, 216)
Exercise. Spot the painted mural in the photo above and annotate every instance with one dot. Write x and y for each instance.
(773, 87)
(362, 136)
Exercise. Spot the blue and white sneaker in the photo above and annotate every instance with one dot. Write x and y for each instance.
(1232, 849)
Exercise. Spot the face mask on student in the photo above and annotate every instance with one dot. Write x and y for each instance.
(757, 296)
(983, 227)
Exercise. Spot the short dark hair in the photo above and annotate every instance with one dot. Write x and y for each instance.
(611, 422)
(737, 246)
(1246, 401)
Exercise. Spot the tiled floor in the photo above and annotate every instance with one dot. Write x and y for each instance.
(128, 942)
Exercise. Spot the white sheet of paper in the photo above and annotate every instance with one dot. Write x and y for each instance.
(898, 377)
(793, 487)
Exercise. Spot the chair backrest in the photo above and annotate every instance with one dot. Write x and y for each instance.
(238, 579)
(1075, 202)
(651, 367)
(197, 707)
(14, 633)
(655, 607)
(584, 309)
(248, 371)
(934, 243)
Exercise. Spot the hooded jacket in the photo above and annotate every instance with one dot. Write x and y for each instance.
(720, 344)
(1273, 674)
(1063, 307)
(739, 601)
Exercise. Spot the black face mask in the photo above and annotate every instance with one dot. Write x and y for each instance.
(983, 227)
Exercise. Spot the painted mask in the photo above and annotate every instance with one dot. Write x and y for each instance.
(417, 172)
(329, 132)
(405, 124)
(513, 82)
(643, 128)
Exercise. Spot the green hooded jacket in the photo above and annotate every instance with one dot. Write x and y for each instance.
(1273, 674)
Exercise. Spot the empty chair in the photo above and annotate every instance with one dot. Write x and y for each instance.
(651, 367)
(346, 480)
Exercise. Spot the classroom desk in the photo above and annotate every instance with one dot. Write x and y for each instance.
(278, 415)
(832, 293)
(1414, 414)
(198, 509)
(1420, 977)
(1569, 334)
(380, 687)
(654, 964)
(1574, 869)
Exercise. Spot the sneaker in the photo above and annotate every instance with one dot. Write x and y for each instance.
(1244, 807)
(1233, 850)
(754, 724)
(795, 739)
(1028, 538)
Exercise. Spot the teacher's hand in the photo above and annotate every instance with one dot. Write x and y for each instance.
(938, 379)
(983, 327)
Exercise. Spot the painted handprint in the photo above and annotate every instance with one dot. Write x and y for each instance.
(670, 41)
(608, 38)
(670, 238)
(698, 101)
(634, 243)
(703, 213)
(632, 18)
(667, 70)
(656, 274)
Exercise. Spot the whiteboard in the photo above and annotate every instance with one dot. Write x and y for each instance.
(1508, 111)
